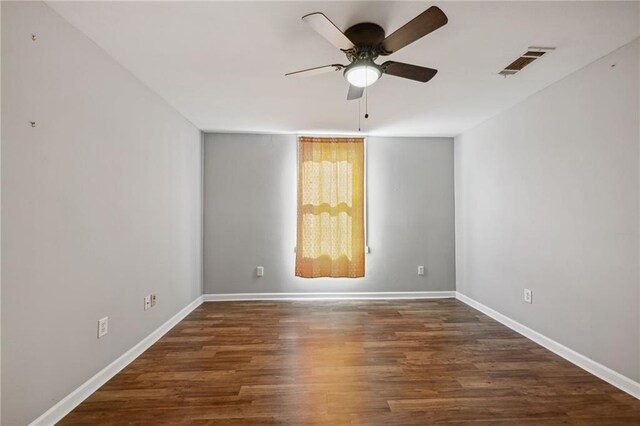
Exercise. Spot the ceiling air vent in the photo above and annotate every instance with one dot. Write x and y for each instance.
(529, 56)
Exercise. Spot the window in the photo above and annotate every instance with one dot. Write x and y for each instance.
(331, 236)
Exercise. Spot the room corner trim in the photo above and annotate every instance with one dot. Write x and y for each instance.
(605, 373)
(330, 296)
(68, 403)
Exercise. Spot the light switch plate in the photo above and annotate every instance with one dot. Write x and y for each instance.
(103, 326)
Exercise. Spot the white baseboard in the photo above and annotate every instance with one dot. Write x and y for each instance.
(605, 373)
(68, 403)
(330, 296)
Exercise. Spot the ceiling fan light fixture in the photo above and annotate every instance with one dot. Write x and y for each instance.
(362, 74)
(363, 43)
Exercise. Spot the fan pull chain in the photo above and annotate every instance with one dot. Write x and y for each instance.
(359, 103)
(366, 103)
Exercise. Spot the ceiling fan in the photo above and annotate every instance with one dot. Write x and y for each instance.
(363, 43)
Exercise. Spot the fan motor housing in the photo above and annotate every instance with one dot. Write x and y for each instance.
(366, 37)
(366, 34)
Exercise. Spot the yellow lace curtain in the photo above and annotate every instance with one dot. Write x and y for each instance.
(330, 207)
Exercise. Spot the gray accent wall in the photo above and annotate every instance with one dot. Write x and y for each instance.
(101, 205)
(250, 216)
(547, 198)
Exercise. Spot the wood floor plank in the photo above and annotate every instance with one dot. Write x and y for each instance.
(391, 362)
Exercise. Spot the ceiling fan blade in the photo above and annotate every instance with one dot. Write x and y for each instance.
(328, 30)
(412, 72)
(428, 21)
(315, 71)
(355, 92)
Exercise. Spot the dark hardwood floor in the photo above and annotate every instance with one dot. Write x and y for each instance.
(400, 362)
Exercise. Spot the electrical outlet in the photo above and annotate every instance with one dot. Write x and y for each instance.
(420, 270)
(153, 300)
(528, 295)
(103, 326)
(147, 302)
(260, 271)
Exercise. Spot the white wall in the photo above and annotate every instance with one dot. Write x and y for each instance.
(250, 216)
(0, 226)
(101, 205)
(547, 198)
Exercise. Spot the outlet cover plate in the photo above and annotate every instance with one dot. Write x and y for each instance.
(528, 295)
(147, 302)
(103, 326)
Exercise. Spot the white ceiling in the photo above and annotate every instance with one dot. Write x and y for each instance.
(222, 64)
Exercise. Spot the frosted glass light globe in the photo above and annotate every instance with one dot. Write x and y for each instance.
(362, 75)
